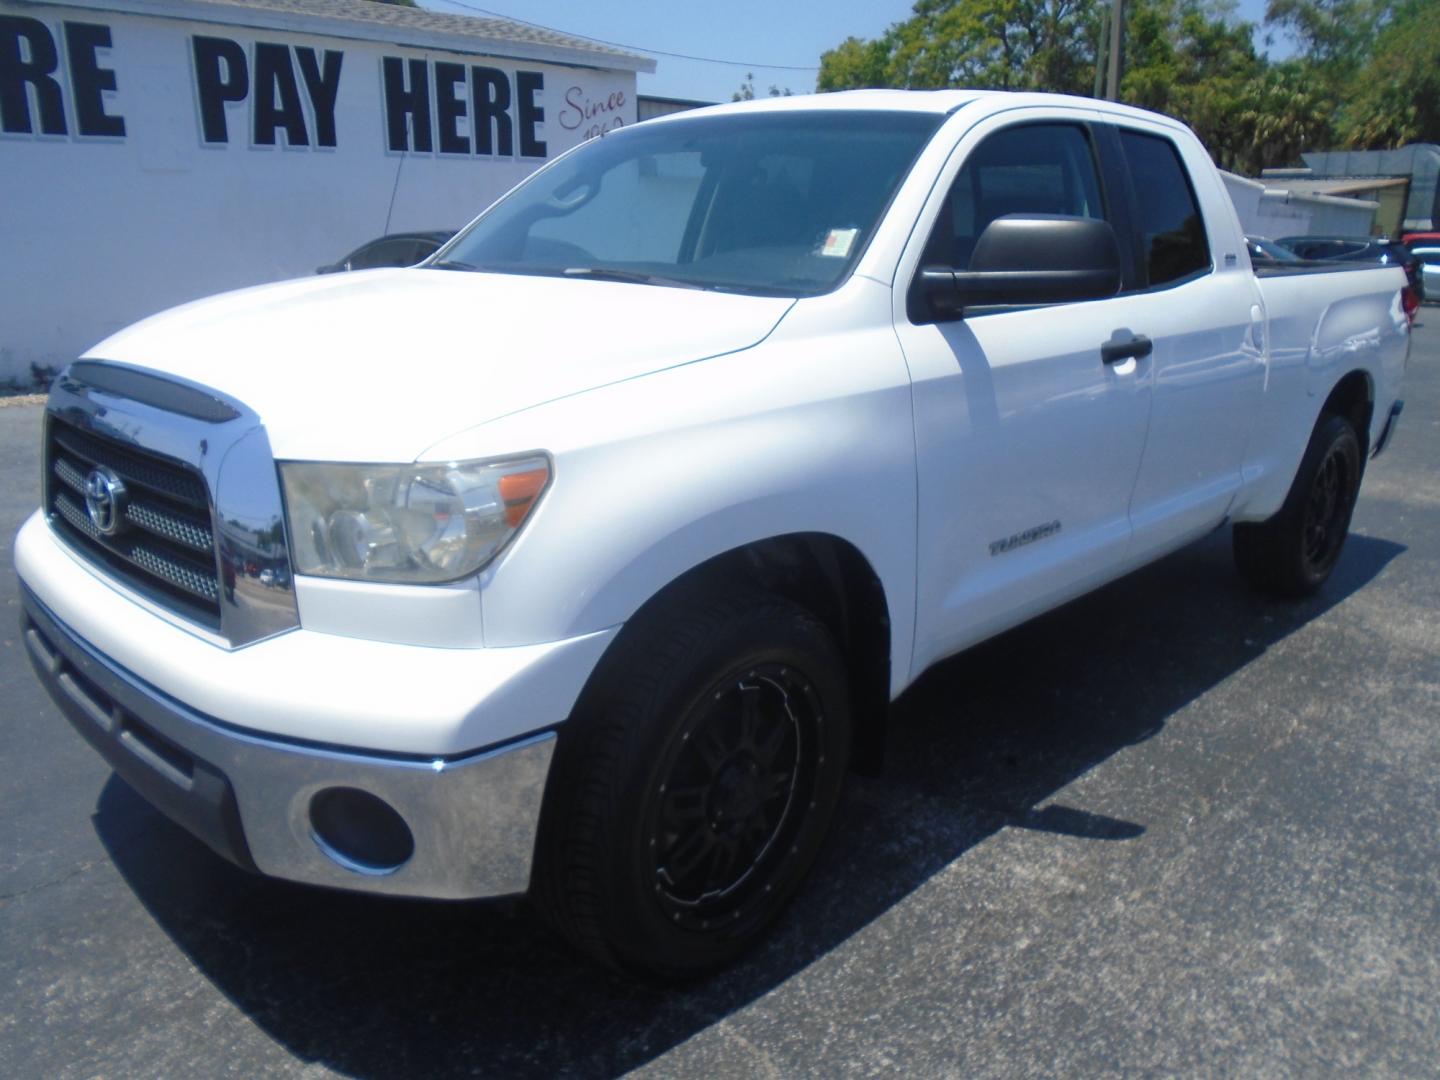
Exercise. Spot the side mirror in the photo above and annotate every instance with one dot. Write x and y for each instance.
(1024, 259)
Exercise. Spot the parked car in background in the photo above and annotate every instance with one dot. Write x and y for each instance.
(1376, 249)
(1372, 249)
(1426, 247)
(397, 249)
(1265, 252)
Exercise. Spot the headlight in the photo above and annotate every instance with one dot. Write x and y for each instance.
(411, 523)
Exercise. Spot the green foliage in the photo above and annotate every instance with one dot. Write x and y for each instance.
(1281, 111)
(1187, 60)
(995, 44)
(1367, 71)
(855, 64)
(747, 90)
(1394, 98)
(1334, 34)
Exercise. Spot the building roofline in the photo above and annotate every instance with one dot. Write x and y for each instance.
(1288, 195)
(568, 50)
(691, 102)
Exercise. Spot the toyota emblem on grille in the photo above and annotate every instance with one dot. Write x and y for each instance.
(105, 500)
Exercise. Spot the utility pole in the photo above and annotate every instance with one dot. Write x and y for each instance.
(1117, 40)
(1100, 53)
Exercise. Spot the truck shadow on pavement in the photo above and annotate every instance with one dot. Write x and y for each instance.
(378, 987)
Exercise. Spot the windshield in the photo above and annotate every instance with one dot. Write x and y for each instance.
(776, 204)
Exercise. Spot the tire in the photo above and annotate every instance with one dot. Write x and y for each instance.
(692, 791)
(1293, 553)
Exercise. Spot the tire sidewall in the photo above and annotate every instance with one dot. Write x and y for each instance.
(636, 925)
(1333, 433)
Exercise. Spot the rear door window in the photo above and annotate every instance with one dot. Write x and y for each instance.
(1172, 232)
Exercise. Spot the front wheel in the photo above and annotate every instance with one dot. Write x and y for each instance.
(1294, 552)
(689, 801)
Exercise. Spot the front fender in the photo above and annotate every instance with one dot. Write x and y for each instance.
(655, 476)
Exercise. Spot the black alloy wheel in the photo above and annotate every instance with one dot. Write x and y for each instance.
(693, 790)
(1328, 510)
(740, 777)
(1294, 552)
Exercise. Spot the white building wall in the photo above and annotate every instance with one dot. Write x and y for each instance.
(1343, 217)
(98, 230)
(1261, 216)
(1275, 212)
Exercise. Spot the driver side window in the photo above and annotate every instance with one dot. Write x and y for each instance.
(1026, 169)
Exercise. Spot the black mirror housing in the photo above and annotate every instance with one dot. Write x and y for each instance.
(1025, 259)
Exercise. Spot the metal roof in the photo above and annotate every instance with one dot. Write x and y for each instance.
(1419, 161)
(390, 23)
(1288, 191)
(1410, 160)
(1311, 186)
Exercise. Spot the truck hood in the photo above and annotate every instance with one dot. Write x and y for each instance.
(381, 364)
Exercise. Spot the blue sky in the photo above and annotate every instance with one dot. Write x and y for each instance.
(749, 34)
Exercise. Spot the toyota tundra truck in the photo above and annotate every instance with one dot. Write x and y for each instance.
(583, 560)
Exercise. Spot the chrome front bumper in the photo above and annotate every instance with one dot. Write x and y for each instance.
(253, 799)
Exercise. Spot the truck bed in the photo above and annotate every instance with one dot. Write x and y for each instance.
(1313, 266)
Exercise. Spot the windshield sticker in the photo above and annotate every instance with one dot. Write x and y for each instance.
(837, 243)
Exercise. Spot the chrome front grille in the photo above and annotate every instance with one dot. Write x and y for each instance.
(170, 488)
(164, 545)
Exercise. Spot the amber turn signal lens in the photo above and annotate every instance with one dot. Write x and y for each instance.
(519, 491)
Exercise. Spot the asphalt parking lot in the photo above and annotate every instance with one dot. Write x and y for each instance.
(1173, 828)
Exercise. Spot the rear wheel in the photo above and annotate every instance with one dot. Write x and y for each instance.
(1294, 552)
(690, 799)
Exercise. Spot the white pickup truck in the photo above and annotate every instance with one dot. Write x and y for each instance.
(584, 559)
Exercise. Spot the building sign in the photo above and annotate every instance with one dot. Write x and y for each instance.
(223, 75)
(188, 155)
(30, 63)
(289, 93)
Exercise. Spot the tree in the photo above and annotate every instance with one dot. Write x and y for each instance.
(1333, 35)
(1282, 111)
(988, 44)
(747, 90)
(1367, 72)
(1394, 98)
(855, 64)
(1190, 60)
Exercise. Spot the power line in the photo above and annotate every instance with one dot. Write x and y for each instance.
(637, 48)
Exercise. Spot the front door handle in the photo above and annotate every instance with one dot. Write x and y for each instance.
(1139, 346)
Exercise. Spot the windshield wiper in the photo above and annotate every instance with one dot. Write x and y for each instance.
(451, 264)
(601, 273)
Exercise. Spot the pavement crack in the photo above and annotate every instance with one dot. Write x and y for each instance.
(75, 871)
(762, 1059)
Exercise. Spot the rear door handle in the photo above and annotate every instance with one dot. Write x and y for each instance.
(1139, 347)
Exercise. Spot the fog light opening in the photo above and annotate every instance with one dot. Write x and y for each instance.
(359, 831)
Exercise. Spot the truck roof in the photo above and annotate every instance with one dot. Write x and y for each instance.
(926, 101)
